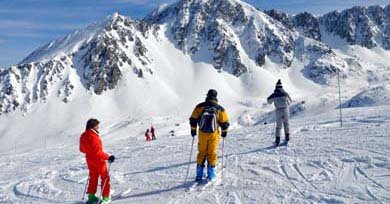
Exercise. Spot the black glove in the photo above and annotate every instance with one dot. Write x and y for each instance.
(224, 134)
(193, 133)
(111, 158)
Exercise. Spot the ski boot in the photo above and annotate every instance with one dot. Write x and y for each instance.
(211, 176)
(199, 173)
(287, 137)
(277, 141)
(92, 199)
(105, 200)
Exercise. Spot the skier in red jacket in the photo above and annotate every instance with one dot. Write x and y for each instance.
(91, 146)
(153, 131)
(147, 136)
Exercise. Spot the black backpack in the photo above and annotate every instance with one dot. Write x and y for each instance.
(208, 120)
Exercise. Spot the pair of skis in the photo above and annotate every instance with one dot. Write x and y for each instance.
(113, 197)
(204, 184)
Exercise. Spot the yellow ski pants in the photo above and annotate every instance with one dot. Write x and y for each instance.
(207, 148)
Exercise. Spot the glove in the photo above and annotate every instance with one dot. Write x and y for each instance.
(224, 134)
(111, 158)
(193, 133)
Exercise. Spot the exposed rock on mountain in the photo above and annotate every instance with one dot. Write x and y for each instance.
(365, 26)
(305, 23)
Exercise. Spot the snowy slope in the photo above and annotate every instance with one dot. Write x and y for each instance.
(163, 64)
(323, 164)
(132, 73)
(373, 97)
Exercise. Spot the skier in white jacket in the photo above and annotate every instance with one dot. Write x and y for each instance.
(281, 100)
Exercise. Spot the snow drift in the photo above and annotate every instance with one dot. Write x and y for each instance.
(372, 97)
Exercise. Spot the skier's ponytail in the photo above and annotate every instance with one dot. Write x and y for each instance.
(91, 123)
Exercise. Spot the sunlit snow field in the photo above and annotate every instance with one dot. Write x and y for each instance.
(323, 164)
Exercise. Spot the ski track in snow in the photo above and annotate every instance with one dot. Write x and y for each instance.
(322, 164)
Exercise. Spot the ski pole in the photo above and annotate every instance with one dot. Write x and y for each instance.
(85, 188)
(189, 161)
(223, 155)
(105, 180)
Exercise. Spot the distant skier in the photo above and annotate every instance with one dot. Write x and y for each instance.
(91, 146)
(153, 131)
(281, 100)
(209, 116)
(147, 135)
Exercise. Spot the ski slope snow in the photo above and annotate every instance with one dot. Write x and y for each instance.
(133, 73)
(322, 164)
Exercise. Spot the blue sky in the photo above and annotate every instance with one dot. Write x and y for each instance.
(27, 24)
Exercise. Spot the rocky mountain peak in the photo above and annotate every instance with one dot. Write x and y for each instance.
(365, 26)
(219, 26)
(97, 55)
(304, 23)
(282, 17)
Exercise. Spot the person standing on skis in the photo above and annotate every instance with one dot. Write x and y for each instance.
(91, 146)
(281, 101)
(153, 131)
(209, 117)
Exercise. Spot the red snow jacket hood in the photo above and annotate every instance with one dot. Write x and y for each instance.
(91, 145)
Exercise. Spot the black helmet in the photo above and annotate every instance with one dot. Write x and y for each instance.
(212, 95)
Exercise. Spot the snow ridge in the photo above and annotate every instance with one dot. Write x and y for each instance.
(365, 26)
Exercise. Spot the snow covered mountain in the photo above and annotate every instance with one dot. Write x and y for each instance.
(165, 63)
(236, 35)
(92, 56)
(306, 23)
(231, 35)
(365, 26)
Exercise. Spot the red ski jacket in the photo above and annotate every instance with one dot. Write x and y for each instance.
(91, 145)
